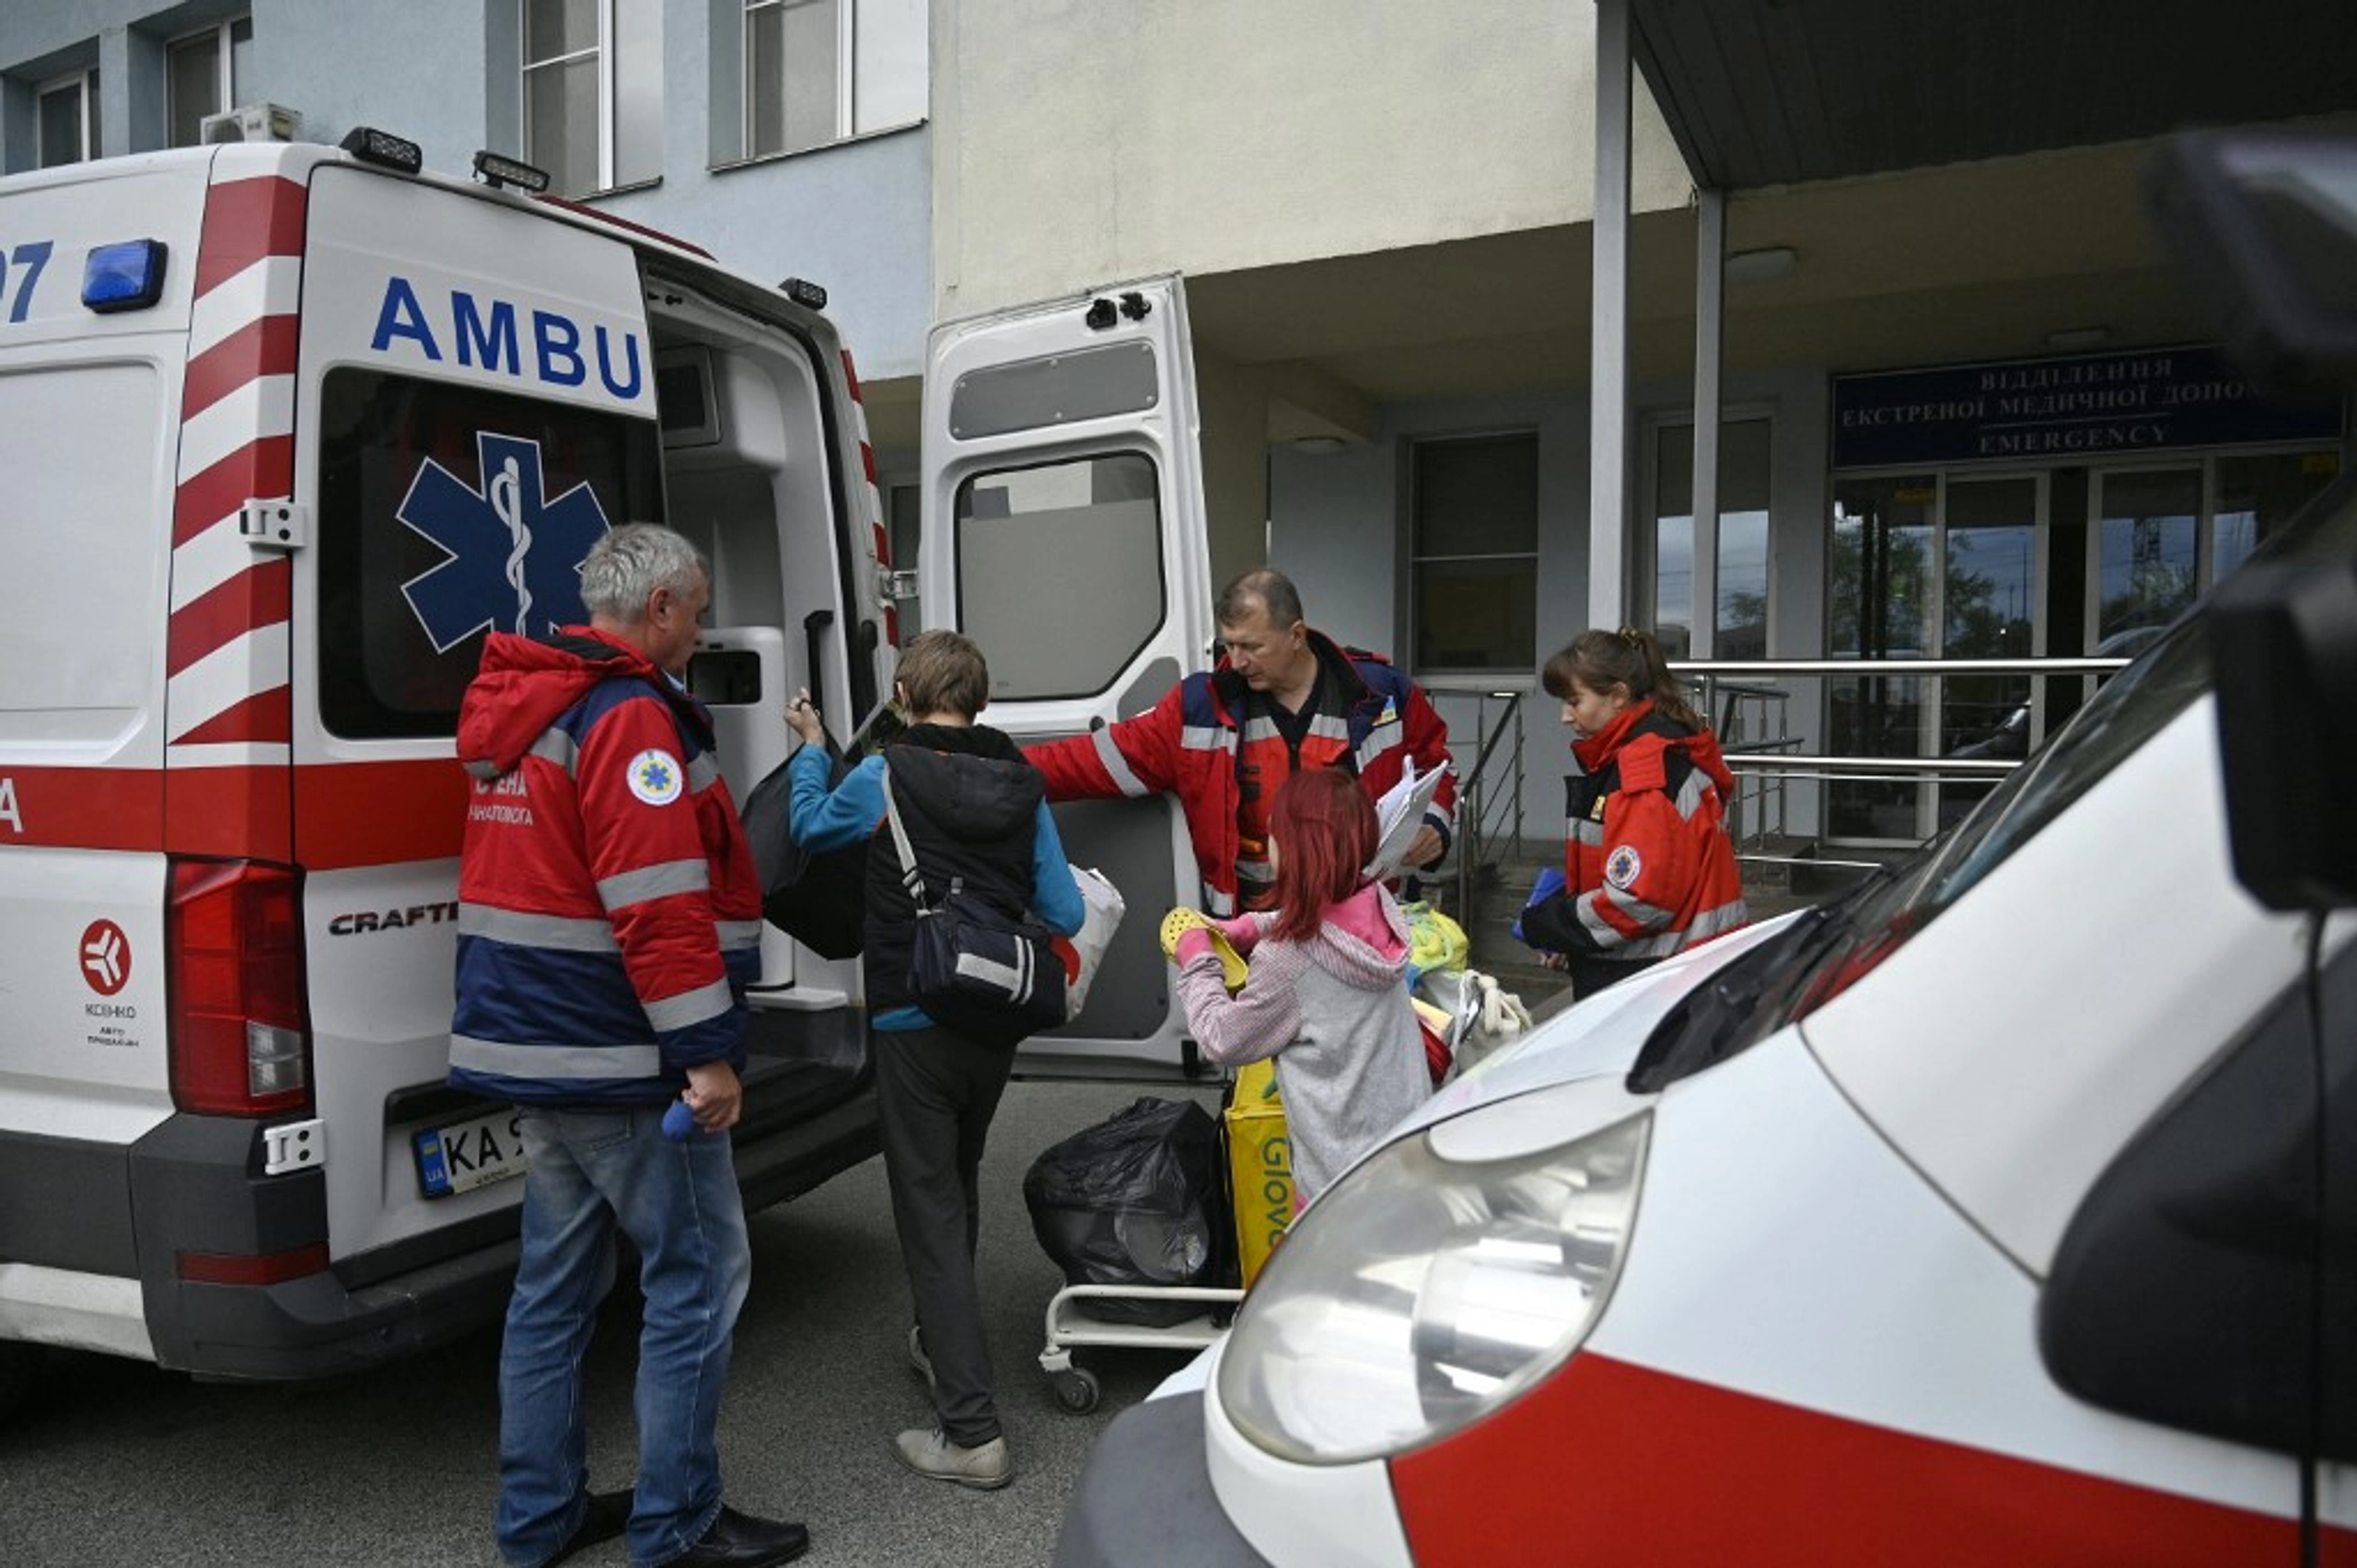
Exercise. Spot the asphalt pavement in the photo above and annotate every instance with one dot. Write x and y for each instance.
(111, 1461)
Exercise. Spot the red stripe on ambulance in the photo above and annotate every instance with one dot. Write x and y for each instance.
(1603, 1461)
(245, 221)
(261, 597)
(265, 347)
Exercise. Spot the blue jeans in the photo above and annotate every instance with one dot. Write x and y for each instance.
(592, 1170)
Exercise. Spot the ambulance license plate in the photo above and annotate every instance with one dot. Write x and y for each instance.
(467, 1155)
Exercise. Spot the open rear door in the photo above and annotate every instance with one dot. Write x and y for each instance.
(1064, 533)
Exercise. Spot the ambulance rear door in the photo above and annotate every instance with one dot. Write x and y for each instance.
(1063, 530)
(477, 400)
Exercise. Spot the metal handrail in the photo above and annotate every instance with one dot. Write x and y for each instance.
(1477, 810)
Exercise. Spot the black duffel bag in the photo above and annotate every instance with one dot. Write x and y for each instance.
(821, 899)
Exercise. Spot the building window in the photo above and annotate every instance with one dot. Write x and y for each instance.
(69, 119)
(1475, 565)
(593, 92)
(1737, 546)
(204, 73)
(822, 71)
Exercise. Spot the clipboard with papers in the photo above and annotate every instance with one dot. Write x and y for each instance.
(1399, 817)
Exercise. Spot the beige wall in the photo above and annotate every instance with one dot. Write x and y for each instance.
(1077, 143)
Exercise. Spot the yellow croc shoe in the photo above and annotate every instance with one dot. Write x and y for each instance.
(1179, 921)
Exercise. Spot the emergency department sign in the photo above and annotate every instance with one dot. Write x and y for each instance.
(512, 555)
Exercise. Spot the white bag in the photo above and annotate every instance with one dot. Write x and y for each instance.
(1103, 917)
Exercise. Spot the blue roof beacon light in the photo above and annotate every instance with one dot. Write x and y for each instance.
(128, 276)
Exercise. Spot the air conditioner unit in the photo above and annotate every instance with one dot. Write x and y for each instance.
(250, 122)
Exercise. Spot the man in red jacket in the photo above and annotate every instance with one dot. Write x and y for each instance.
(1283, 698)
(609, 921)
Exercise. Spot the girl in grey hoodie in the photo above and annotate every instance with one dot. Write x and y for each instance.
(1327, 994)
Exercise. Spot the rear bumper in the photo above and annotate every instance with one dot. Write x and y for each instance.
(193, 1185)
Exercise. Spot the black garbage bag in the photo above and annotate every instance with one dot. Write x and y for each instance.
(819, 900)
(1136, 1200)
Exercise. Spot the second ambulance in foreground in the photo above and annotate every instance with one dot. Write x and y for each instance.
(2003, 1211)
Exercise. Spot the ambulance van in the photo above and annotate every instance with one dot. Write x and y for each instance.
(284, 430)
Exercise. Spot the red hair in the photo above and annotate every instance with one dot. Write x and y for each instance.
(1324, 829)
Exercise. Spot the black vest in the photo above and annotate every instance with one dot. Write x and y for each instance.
(970, 803)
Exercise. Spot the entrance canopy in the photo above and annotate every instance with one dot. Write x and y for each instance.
(1781, 92)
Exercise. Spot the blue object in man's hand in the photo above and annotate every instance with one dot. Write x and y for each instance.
(678, 1121)
(1550, 883)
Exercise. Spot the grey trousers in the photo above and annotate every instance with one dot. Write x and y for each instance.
(935, 1093)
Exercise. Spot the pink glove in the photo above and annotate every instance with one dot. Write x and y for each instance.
(1195, 943)
(1241, 933)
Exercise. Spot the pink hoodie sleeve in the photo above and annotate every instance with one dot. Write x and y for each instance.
(1258, 1021)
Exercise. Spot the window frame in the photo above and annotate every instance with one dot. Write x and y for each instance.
(84, 82)
(848, 102)
(609, 110)
(1702, 642)
(1417, 558)
(223, 37)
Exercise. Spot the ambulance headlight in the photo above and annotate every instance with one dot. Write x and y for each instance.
(1437, 1280)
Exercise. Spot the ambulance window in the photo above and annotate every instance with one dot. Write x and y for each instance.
(447, 511)
(79, 509)
(1084, 536)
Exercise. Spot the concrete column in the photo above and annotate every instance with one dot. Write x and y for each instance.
(1607, 511)
(1710, 316)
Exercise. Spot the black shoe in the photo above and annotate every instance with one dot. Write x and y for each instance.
(740, 1540)
(608, 1512)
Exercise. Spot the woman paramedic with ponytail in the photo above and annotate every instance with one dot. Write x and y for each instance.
(1648, 869)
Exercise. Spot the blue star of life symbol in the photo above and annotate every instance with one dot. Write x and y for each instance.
(513, 554)
(656, 778)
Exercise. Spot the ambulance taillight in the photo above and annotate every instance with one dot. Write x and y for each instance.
(240, 1017)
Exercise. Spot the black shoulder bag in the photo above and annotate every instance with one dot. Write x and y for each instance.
(973, 970)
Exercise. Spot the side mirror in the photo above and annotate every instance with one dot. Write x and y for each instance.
(2283, 651)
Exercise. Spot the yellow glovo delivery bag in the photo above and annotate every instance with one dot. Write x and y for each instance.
(1260, 1165)
(1259, 1156)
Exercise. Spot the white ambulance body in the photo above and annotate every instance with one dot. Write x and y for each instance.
(282, 434)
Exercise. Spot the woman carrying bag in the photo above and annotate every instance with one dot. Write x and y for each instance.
(975, 816)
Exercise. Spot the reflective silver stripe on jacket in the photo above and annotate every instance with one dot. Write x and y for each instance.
(627, 887)
(563, 1064)
(1584, 829)
(1652, 916)
(737, 934)
(1204, 737)
(690, 1007)
(1221, 904)
(555, 932)
(702, 772)
(1711, 923)
(1116, 765)
(555, 746)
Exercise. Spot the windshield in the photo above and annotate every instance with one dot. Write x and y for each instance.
(1828, 948)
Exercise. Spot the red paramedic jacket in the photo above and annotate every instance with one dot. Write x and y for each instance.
(1193, 743)
(1647, 862)
(610, 915)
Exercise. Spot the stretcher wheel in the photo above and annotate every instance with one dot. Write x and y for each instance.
(1076, 1390)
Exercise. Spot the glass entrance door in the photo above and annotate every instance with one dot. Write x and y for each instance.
(1930, 566)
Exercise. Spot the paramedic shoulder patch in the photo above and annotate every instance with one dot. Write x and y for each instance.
(1623, 868)
(655, 776)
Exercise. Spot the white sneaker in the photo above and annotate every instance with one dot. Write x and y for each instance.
(985, 1467)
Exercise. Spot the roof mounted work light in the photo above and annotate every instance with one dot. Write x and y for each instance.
(384, 149)
(802, 291)
(496, 171)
